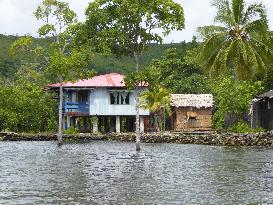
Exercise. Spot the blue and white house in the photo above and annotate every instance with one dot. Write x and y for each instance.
(101, 103)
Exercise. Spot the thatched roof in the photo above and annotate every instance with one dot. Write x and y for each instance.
(192, 100)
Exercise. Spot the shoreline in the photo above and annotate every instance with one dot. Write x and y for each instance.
(264, 139)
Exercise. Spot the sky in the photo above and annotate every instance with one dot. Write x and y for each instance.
(16, 16)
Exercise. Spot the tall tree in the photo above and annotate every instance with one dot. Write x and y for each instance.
(126, 27)
(63, 61)
(238, 44)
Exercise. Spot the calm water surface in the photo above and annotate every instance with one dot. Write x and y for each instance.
(113, 173)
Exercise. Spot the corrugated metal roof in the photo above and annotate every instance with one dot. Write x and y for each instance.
(107, 80)
(192, 100)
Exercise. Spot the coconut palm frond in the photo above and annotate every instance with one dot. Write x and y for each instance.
(155, 100)
(207, 31)
(221, 63)
(224, 13)
(254, 11)
(210, 49)
(265, 50)
(238, 8)
(256, 26)
(260, 68)
(244, 46)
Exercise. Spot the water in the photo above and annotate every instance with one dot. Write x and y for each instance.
(113, 173)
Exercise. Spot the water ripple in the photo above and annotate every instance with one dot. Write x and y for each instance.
(113, 173)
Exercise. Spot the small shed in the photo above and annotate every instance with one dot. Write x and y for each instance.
(191, 112)
(262, 111)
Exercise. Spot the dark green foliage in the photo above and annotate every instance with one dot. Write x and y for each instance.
(9, 64)
(25, 106)
(172, 72)
(232, 99)
(102, 64)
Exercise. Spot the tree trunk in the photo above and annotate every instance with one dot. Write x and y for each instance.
(137, 92)
(164, 118)
(137, 120)
(60, 134)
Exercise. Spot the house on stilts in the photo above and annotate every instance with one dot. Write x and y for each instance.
(101, 103)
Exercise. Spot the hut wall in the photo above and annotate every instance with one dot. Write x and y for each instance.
(263, 114)
(201, 122)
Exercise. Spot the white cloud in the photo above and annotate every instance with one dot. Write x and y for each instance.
(16, 16)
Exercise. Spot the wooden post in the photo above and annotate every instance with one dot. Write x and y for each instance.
(106, 124)
(100, 123)
(68, 122)
(141, 119)
(112, 124)
(95, 125)
(117, 124)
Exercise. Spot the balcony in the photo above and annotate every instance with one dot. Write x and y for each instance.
(76, 108)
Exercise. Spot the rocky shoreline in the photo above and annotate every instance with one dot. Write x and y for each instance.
(222, 139)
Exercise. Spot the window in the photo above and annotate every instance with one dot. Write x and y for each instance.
(83, 96)
(120, 98)
(69, 97)
(191, 115)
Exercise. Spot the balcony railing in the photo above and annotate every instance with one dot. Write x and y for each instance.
(76, 107)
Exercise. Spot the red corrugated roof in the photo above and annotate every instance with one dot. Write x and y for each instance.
(107, 80)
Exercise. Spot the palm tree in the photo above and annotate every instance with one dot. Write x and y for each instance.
(155, 101)
(238, 44)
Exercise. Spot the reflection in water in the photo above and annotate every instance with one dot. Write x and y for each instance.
(113, 173)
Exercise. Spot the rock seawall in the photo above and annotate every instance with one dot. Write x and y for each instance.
(223, 139)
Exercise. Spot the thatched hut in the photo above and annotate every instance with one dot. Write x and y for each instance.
(191, 112)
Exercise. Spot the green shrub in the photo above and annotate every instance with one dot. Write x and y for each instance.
(233, 98)
(240, 127)
(71, 131)
(243, 127)
(259, 129)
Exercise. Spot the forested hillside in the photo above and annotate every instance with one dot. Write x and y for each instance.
(102, 64)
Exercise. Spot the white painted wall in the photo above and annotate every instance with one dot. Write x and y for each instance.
(100, 104)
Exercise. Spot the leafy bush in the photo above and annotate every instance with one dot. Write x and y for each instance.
(240, 127)
(232, 98)
(243, 127)
(71, 131)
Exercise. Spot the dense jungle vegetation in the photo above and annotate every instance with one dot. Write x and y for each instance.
(9, 65)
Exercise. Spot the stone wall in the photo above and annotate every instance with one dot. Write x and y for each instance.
(202, 119)
(224, 139)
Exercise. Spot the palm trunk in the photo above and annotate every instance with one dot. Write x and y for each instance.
(60, 134)
(137, 91)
